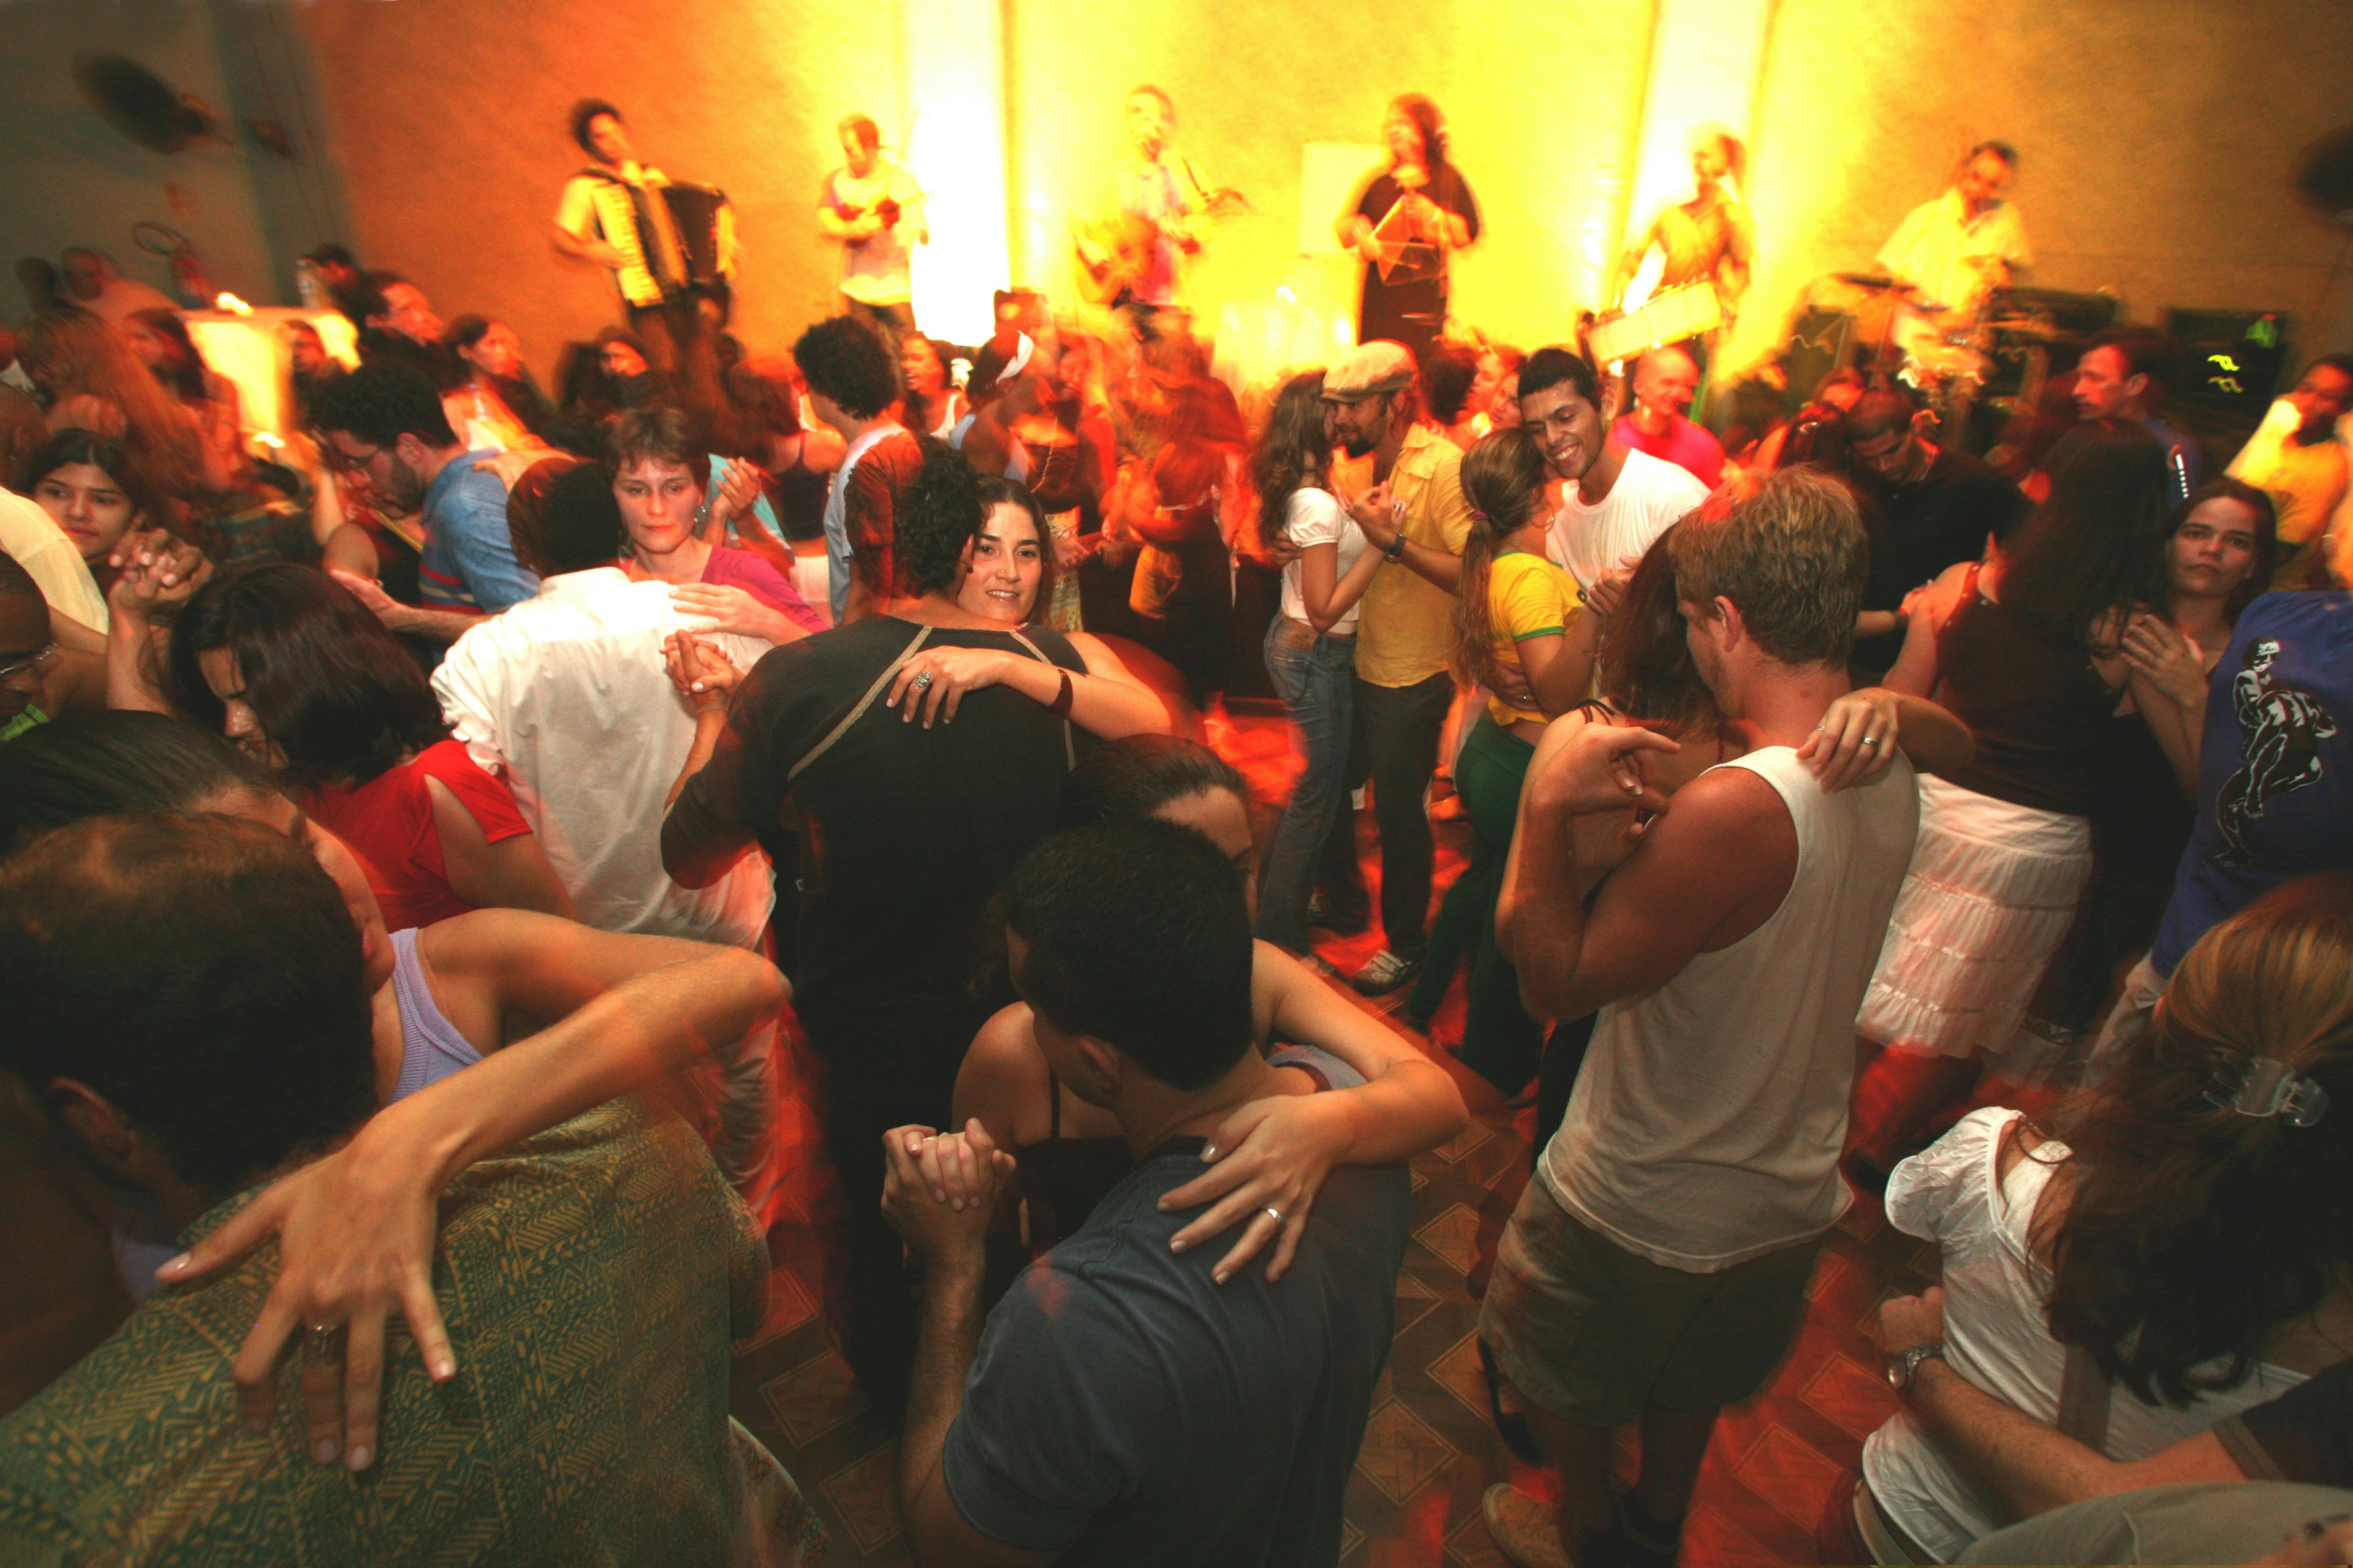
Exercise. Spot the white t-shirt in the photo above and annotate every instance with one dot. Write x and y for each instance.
(1315, 518)
(1996, 1334)
(1651, 496)
(564, 696)
(45, 551)
(1706, 1125)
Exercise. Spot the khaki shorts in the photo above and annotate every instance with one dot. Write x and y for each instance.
(1592, 1333)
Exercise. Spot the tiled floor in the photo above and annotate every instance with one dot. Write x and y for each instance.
(1429, 1451)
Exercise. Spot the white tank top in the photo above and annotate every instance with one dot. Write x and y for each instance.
(1706, 1126)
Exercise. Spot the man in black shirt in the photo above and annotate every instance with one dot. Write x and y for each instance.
(1122, 1406)
(1925, 507)
(908, 829)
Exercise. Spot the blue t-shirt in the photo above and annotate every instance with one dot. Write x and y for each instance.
(469, 559)
(2274, 767)
(1124, 1408)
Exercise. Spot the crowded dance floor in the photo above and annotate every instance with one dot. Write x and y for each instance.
(1000, 785)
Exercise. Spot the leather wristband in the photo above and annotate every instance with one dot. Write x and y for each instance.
(1060, 706)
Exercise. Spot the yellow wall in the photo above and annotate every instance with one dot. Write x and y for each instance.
(2160, 135)
(1540, 117)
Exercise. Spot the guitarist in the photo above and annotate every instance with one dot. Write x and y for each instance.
(1134, 260)
(873, 211)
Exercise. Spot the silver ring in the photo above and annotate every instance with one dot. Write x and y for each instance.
(325, 1341)
(1870, 739)
(1276, 1214)
(923, 681)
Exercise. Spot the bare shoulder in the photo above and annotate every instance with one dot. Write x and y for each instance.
(1005, 1077)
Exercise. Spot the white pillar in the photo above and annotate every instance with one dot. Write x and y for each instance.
(954, 53)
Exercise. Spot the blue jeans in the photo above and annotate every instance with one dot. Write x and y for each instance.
(1317, 685)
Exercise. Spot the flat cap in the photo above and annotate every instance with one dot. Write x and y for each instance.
(1369, 370)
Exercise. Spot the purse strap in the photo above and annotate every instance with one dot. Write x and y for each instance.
(2083, 1395)
(1070, 747)
(881, 684)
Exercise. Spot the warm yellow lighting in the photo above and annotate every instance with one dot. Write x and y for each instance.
(232, 304)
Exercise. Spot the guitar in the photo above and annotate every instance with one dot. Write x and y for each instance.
(1130, 243)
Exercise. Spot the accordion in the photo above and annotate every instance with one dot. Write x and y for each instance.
(705, 222)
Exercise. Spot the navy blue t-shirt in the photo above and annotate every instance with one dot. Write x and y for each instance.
(1126, 1409)
(2274, 767)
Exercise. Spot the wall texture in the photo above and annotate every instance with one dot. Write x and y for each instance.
(450, 136)
(2158, 137)
(2158, 142)
(68, 178)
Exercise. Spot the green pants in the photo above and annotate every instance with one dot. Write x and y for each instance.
(1500, 1042)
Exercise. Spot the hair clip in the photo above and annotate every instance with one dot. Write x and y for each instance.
(2265, 1086)
(1478, 516)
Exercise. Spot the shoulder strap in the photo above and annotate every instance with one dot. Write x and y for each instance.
(606, 175)
(2084, 1396)
(1070, 748)
(881, 684)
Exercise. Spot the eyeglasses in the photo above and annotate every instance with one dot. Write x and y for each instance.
(33, 666)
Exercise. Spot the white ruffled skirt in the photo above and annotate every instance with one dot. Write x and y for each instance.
(1989, 895)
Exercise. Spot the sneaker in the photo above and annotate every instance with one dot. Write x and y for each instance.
(1527, 1529)
(1384, 973)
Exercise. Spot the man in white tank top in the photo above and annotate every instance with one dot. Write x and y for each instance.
(1656, 1268)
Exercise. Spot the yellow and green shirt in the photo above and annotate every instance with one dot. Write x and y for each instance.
(1527, 597)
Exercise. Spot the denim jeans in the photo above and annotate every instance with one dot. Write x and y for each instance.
(1316, 684)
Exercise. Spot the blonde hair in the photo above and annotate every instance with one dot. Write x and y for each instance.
(2194, 1230)
(1789, 549)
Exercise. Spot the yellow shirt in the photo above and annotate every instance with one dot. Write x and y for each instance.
(1527, 597)
(1406, 627)
(2305, 484)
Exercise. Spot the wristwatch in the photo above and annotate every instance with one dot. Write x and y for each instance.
(1396, 551)
(1904, 1364)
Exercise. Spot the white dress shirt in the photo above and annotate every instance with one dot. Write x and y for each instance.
(564, 696)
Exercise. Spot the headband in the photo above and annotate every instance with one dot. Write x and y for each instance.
(1023, 348)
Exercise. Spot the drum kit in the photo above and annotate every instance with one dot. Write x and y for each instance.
(1999, 348)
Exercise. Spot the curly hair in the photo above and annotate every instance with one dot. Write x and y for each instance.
(331, 689)
(381, 401)
(582, 113)
(937, 520)
(843, 360)
(2192, 1231)
(203, 974)
(1292, 452)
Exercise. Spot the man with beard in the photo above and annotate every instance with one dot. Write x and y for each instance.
(1415, 515)
(386, 422)
(1618, 501)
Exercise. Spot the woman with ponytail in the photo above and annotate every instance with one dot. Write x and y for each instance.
(1515, 611)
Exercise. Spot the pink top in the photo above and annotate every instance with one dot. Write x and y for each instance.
(753, 572)
(1684, 444)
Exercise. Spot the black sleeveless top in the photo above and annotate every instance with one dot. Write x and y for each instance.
(2044, 718)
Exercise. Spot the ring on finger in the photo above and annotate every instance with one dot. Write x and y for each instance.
(325, 1341)
(923, 681)
(1276, 1214)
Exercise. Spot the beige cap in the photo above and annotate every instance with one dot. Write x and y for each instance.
(1367, 371)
